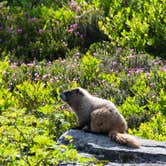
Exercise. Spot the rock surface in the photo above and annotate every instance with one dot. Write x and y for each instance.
(100, 146)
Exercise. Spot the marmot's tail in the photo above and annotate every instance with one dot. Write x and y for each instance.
(126, 139)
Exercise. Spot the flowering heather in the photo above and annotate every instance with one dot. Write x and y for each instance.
(31, 64)
(32, 19)
(72, 4)
(41, 30)
(114, 63)
(130, 56)
(11, 29)
(37, 76)
(78, 9)
(72, 28)
(49, 63)
(135, 71)
(19, 30)
(51, 80)
(147, 75)
(75, 7)
(13, 66)
(163, 68)
(46, 76)
(118, 50)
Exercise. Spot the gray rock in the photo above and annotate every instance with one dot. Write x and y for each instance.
(100, 146)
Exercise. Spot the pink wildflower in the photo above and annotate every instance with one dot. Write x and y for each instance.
(19, 30)
(114, 63)
(41, 30)
(70, 30)
(13, 66)
(32, 19)
(139, 70)
(51, 80)
(163, 68)
(73, 4)
(30, 64)
(74, 26)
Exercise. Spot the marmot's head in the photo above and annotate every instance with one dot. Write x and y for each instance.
(72, 96)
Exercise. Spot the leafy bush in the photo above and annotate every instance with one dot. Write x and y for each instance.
(137, 24)
(89, 69)
(31, 120)
(30, 96)
(26, 140)
(44, 32)
(155, 127)
(41, 35)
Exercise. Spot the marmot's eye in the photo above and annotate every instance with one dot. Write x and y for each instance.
(78, 91)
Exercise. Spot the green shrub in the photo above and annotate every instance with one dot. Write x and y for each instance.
(35, 3)
(162, 101)
(154, 129)
(136, 24)
(89, 69)
(34, 34)
(45, 32)
(85, 30)
(4, 65)
(32, 96)
(27, 140)
(6, 99)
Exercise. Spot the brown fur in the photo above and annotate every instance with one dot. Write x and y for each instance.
(99, 115)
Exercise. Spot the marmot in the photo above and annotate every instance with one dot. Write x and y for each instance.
(98, 115)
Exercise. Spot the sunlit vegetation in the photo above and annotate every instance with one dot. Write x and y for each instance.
(114, 49)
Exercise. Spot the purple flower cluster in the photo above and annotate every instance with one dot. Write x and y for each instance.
(73, 3)
(19, 30)
(41, 30)
(135, 71)
(163, 68)
(34, 72)
(74, 6)
(31, 64)
(147, 75)
(114, 63)
(13, 66)
(130, 56)
(46, 77)
(33, 20)
(37, 76)
(11, 29)
(72, 28)
(118, 50)
(50, 78)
